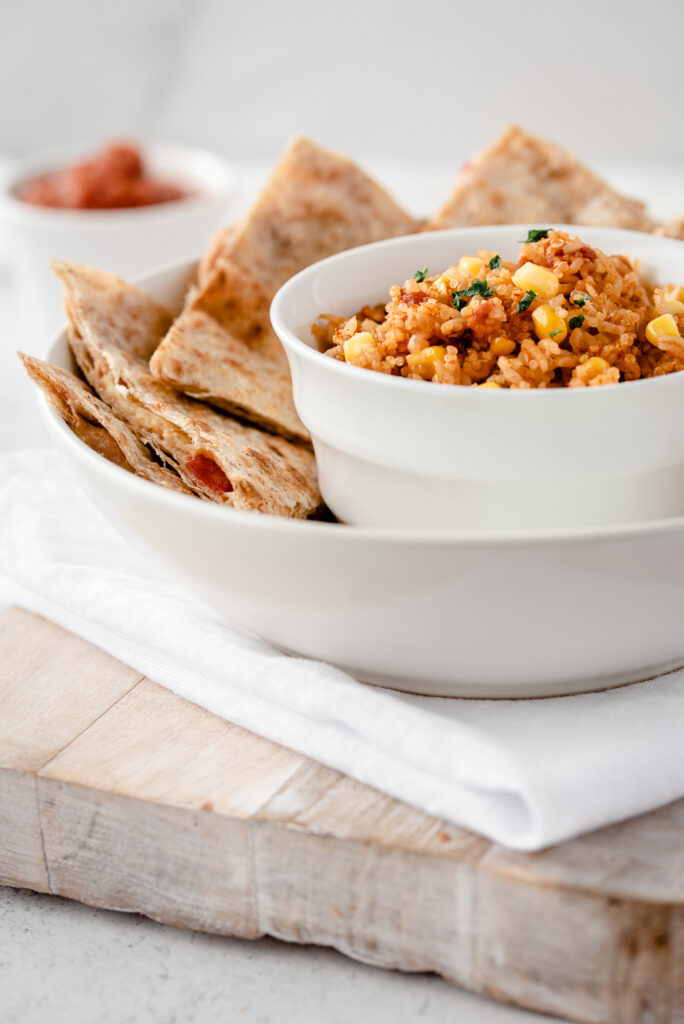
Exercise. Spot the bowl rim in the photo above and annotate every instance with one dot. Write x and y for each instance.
(292, 342)
(343, 532)
(219, 184)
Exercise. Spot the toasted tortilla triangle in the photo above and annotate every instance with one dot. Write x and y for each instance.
(315, 203)
(523, 179)
(673, 228)
(96, 424)
(222, 348)
(114, 327)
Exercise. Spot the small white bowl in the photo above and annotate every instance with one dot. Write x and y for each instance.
(127, 242)
(457, 615)
(406, 453)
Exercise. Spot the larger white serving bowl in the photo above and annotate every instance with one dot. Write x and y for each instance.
(125, 242)
(488, 615)
(407, 453)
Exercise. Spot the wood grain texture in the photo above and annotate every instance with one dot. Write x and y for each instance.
(22, 862)
(182, 867)
(51, 689)
(638, 859)
(198, 760)
(118, 793)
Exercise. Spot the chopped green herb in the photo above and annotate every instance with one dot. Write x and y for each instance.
(536, 234)
(495, 262)
(580, 300)
(420, 275)
(576, 321)
(526, 301)
(554, 333)
(478, 287)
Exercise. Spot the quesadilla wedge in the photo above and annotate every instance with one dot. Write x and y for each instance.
(315, 203)
(223, 349)
(113, 329)
(673, 228)
(96, 424)
(522, 179)
(218, 246)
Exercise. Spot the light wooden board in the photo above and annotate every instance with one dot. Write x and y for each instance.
(115, 792)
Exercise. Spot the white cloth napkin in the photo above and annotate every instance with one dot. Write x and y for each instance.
(525, 773)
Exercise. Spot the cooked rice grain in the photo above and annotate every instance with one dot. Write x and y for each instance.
(602, 309)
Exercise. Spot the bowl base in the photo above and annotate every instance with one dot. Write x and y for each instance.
(361, 492)
(512, 689)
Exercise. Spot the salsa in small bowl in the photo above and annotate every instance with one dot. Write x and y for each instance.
(126, 211)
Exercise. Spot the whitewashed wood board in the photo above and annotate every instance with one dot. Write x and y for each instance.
(117, 793)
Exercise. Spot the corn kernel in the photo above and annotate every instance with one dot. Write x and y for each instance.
(595, 366)
(426, 362)
(472, 265)
(662, 326)
(355, 346)
(442, 287)
(541, 281)
(547, 324)
(490, 384)
(674, 300)
(502, 347)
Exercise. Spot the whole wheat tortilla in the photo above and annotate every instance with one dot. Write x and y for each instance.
(315, 203)
(222, 348)
(218, 245)
(114, 328)
(522, 179)
(96, 424)
(673, 228)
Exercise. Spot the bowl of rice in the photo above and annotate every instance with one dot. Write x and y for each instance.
(515, 377)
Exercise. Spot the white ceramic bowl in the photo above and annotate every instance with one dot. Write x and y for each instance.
(488, 615)
(125, 242)
(396, 452)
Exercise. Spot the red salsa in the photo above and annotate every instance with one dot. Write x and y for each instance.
(208, 472)
(114, 179)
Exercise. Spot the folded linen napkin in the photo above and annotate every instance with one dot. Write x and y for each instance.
(525, 773)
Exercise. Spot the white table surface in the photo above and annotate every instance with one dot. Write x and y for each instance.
(63, 962)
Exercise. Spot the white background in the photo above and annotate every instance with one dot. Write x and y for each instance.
(431, 79)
